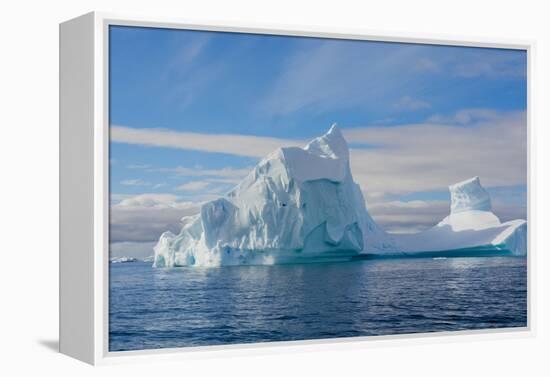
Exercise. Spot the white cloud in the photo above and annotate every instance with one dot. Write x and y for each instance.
(144, 217)
(409, 216)
(429, 157)
(131, 249)
(337, 74)
(191, 50)
(152, 200)
(226, 172)
(193, 186)
(226, 180)
(417, 215)
(406, 158)
(115, 197)
(494, 66)
(212, 178)
(474, 63)
(134, 182)
(427, 65)
(240, 145)
(506, 211)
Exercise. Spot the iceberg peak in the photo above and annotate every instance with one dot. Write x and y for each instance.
(469, 195)
(331, 145)
(325, 157)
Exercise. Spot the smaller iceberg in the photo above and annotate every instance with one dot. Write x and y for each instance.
(471, 228)
(123, 260)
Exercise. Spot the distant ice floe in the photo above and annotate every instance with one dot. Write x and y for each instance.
(123, 260)
(301, 205)
(148, 259)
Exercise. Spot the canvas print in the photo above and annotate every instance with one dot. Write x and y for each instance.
(272, 188)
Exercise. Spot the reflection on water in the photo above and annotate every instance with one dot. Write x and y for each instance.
(158, 308)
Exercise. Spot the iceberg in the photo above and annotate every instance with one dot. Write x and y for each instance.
(471, 228)
(123, 260)
(301, 205)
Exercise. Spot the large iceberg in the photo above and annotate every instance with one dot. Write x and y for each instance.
(301, 205)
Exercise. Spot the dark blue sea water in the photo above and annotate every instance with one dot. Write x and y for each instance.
(159, 308)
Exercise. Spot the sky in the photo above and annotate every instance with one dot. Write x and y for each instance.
(191, 112)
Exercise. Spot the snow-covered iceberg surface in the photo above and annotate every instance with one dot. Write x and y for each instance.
(470, 229)
(302, 205)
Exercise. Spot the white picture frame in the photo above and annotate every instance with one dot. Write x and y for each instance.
(84, 189)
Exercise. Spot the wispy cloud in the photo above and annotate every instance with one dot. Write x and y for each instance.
(429, 157)
(135, 182)
(411, 104)
(140, 182)
(151, 200)
(407, 158)
(187, 73)
(424, 64)
(212, 181)
(193, 186)
(337, 74)
(409, 216)
(144, 217)
(467, 63)
(240, 145)
(190, 49)
(136, 166)
(226, 172)
(226, 180)
(133, 249)
(465, 116)
(417, 215)
(496, 66)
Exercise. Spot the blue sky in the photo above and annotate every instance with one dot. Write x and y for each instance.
(191, 111)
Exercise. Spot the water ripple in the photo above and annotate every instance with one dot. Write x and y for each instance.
(158, 308)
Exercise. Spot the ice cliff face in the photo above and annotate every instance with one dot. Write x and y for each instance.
(469, 195)
(302, 205)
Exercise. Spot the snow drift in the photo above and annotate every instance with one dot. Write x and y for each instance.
(302, 205)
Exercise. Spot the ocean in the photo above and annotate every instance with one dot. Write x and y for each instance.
(190, 306)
